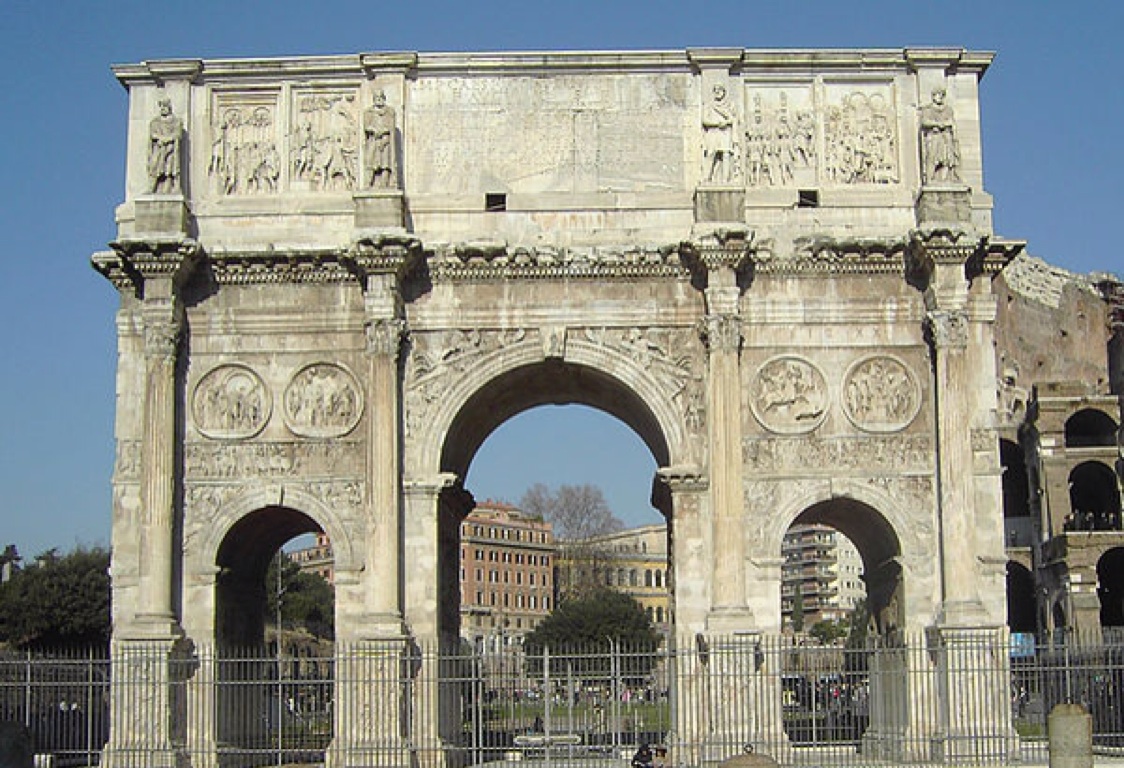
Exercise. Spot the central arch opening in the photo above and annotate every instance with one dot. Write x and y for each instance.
(551, 425)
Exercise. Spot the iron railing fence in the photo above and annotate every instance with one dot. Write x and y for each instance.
(930, 697)
(62, 698)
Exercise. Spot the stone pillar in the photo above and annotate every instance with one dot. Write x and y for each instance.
(948, 330)
(381, 264)
(743, 698)
(147, 721)
(720, 263)
(973, 681)
(371, 713)
(434, 508)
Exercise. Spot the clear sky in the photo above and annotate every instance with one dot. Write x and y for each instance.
(1052, 110)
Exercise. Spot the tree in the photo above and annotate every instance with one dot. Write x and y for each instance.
(575, 512)
(827, 631)
(590, 630)
(578, 515)
(307, 600)
(797, 609)
(58, 601)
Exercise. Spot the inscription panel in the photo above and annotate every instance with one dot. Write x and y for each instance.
(531, 135)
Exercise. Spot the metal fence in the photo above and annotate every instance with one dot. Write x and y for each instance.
(924, 698)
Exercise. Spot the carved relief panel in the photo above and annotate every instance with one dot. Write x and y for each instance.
(245, 157)
(789, 395)
(324, 140)
(881, 394)
(781, 137)
(861, 141)
(231, 402)
(322, 400)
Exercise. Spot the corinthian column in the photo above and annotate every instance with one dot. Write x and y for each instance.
(948, 336)
(163, 326)
(384, 340)
(160, 270)
(381, 264)
(719, 262)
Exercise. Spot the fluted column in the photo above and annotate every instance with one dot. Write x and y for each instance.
(719, 263)
(147, 650)
(384, 339)
(948, 334)
(160, 270)
(381, 264)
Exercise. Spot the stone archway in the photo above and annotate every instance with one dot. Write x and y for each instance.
(321, 338)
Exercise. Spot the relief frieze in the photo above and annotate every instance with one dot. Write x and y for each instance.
(789, 395)
(231, 402)
(881, 394)
(245, 159)
(324, 142)
(897, 453)
(780, 142)
(219, 461)
(861, 137)
(323, 400)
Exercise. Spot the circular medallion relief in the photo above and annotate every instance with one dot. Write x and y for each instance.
(231, 402)
(322, 400)
(881, 394)
(789, 396)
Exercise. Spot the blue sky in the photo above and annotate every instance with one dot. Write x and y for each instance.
(1052, 112)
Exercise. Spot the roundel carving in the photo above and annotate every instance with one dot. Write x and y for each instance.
(231, 402)
(881, 394)
(322, 400)
(789, 395)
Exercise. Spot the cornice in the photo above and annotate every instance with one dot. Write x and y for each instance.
(276, 266)
(498, 261)
(824, 255)
(369, 64)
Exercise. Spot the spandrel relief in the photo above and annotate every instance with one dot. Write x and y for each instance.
(861, 136)
(780, 138)
(231, 402)
(789, 396)
(322, 400)
(244, 146)
(324, 141)
(881, 394)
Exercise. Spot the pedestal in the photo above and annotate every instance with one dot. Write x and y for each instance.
(944, 207)
(161, 215)
(380, 209)
(720, 204)
(372, 705)
(147, 712)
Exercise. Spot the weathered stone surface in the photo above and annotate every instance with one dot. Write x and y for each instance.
(762, 261)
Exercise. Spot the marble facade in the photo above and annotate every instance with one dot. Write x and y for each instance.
(339, 274)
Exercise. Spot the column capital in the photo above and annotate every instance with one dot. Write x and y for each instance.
(384, 336)
(721, 332)
(947, 329)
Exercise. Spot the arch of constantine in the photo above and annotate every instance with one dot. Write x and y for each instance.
(339, 275)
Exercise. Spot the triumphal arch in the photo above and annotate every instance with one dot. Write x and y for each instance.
(339, 274)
